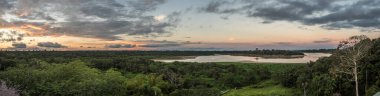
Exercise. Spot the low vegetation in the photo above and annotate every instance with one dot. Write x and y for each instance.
(265, 88)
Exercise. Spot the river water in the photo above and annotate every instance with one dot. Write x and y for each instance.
(228, 58)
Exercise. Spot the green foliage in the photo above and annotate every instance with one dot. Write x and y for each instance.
(288, 78)
(6, 63)
(371, 75)
(74, 78)
(77, 78)
(322, 85)
(146, 85)
(372, 90)
(322, 78)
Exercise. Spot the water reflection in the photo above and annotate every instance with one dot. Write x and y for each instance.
(228, 58)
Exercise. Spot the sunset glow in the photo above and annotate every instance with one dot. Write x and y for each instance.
(180, 24)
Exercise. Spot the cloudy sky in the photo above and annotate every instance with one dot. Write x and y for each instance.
(184, 24)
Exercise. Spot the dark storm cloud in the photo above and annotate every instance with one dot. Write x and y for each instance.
(102, 12)
(109, 29)
(19, 45)
(330, 14)
(213, 7)
(217, 6)
(10, 36)
(50, 45)
(104, 19)
(120, 46)
(4, 6)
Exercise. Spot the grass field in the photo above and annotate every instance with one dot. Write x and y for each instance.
(266, 88)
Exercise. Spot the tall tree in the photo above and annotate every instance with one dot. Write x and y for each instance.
(350, 52)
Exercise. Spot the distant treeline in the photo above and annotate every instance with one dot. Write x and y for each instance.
(317, 50)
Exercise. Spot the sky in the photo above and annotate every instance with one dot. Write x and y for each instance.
(184, 24)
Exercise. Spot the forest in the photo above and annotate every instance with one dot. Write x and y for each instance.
(352, 69)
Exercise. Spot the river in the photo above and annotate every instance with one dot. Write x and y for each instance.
(228, 58)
